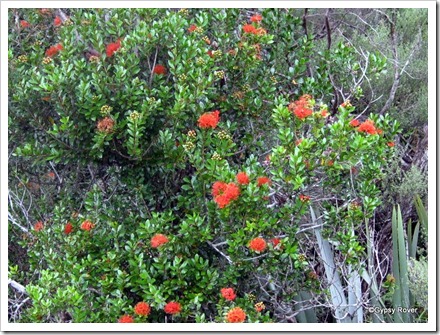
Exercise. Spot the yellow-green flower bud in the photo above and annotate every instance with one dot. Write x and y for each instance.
(200, 61)
(219, 74)
(22, 59)
(192, 133)
(47, 60)
(134, 115)
(216, 157)
(106, 109)
(188, 146)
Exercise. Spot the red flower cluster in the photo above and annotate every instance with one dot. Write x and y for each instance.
(236, 315)
(304, 198)
(257, 244)
(301, 107)
(354, 123)
(113, 47)
(126, 319)
(57, 21)
(256, 18)
(391, 144)
(263, 180)
(53, 50)
(87, 225)
(192, 28)
(38, 226)
(24, 24)
(298, 141)
(158, 240)
(172, 308)
(228, 293)
(159, 69)
(368, 127)
(224, 193)
(142, 308)
(275, 241)
(105, 125)
(209, 120)
(251, 29)
(68, 228)
(242, 178)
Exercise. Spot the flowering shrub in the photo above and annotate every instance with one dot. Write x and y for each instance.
(154, 177)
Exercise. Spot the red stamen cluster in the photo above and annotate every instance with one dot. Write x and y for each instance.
(257, 244)
(301, 107)
(209, 120)
(224, 193)
(53, 50)
(228, 293)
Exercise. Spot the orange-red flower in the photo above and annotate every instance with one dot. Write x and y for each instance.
(298, 141)
(142, 308)
(324, 113)
(172, 308)
(263, 180)
(24, 24)
(68, 228)
(158, 240)
(304, 198)
(249, 28)
(256, 18)
(209, 120)
(192, 28)
(218, 188)
(242, 178)
(126, 319)
(57, 21)
(105, 125)
(210, 54)
(354, 123)
(257, 244)
(53, 50)
(38, 226)
(159, 69)
(228, 293)
(87, 225)
(113, 47)
(391, 144)
(259, 306)
(224, 193)
(236, 315)
(275, 241)
(368, 127)
(301, 107)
